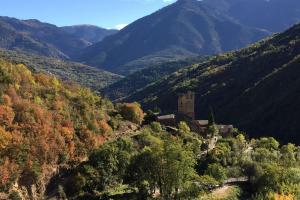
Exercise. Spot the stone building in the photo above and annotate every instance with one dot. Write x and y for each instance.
(186, 104)
(199, 126)
(186, 112)
(168, 120)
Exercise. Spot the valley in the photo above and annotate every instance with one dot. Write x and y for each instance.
(195, 100)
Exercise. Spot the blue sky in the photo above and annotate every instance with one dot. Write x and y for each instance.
(104, 13)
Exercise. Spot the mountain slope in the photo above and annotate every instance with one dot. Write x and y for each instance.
(272, 15)
(256, 88)
(140, 79)
(185, 28)
(84, 75)
(47, 126)
(89, 33)
(39, 38)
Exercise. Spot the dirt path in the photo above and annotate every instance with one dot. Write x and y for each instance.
(222, 192)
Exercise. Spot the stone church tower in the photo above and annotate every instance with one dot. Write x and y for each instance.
(186, 104)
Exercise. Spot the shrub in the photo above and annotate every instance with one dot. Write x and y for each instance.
(15, 196)
(217, 171)
(131, 112)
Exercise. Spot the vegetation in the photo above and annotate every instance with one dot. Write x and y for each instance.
(46, 124)
(66, 70)
(140, 79)
(155, 164)
(131, 112)
(253, 88)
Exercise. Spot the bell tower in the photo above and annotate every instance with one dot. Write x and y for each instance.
(186, 104)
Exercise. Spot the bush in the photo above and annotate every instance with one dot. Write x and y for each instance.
(217, 171)
(15, 196)
(131, 112)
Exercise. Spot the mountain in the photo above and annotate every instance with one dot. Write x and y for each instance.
(39, 38)
(272, 15)
(183, 29)
(66, 70)
(255, 88)
(140, 79)
(89, 33)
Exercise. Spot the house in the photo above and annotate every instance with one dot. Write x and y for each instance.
(167, 120)
(199, 126)
(225, 129)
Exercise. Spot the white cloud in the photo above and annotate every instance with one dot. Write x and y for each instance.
(121, 26)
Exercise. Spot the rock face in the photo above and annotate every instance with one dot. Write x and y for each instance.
(36, 191)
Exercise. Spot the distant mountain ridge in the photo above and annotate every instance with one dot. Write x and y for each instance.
(39, 38)
(185, 28)
(257, 88)
(46, 39)
(271, 15)
(89, 33)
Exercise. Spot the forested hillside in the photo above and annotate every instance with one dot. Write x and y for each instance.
(85, 75)
(45, 125)
(140, 79)
(255, 88)
(60, 141)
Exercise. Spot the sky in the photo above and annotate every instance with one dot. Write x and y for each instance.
(103, 13)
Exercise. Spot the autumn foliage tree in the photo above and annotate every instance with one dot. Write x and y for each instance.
(131, 112)
(44, 122)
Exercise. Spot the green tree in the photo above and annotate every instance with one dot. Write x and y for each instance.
(217, 171)
(183, 128)
(171, 169)
(111, 161)
(288, 154)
